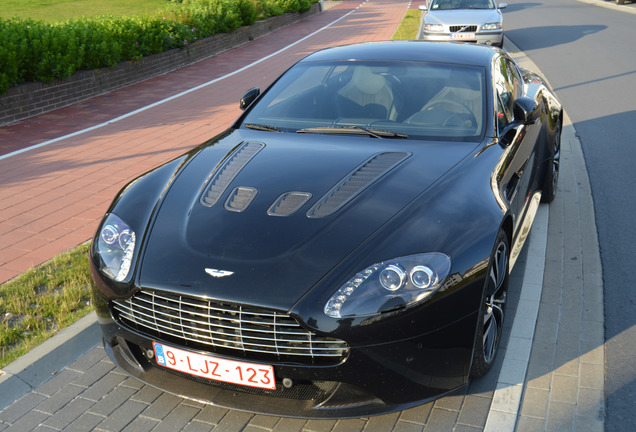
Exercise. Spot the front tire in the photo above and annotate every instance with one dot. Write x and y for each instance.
(492, 309)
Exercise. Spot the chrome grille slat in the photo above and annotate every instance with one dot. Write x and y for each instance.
(246, 331)
(141, 307)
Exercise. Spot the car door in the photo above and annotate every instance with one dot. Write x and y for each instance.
(517, 139)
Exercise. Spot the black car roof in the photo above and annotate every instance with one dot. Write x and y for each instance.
(442, 52)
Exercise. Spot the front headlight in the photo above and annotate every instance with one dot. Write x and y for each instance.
(434, 27)
(397, 283)
(491, 26)
(114, 247)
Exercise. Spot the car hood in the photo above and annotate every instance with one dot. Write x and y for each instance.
(463, 16)
(261, 217)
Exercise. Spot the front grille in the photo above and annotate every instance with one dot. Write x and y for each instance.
(461, 28)
(225, 328)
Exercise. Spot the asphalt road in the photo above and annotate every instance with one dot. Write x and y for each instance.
(586, 50)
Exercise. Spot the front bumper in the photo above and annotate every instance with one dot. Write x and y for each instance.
(485, 38)
(371, 380)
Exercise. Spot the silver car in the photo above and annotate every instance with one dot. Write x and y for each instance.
(477, 21)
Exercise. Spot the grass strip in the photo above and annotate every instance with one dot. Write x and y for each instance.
(42, 301)
(409, 25)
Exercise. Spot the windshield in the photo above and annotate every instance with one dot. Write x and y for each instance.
(462, 4)
(397, 100)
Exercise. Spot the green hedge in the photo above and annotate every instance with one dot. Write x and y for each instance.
(37, 51)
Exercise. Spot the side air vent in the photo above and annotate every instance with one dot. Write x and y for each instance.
(355, 182)
(225, 173)
(288, 203)
(240, 198)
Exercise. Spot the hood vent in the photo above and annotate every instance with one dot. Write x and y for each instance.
(288, 203)
(355, 182)
(240, 198)
(223, 176)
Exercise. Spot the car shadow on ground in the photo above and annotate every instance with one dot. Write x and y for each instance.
(536, 38)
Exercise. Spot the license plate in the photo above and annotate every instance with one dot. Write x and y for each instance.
(219, 369)
(462, 35)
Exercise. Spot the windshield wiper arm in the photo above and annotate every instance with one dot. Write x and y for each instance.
(262, 127)
(356, 130)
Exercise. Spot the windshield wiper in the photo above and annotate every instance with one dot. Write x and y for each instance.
(355, 130)
(262, 127)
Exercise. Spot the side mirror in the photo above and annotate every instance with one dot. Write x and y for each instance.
(249, 97)
(503, 5)
(525, 110)
(422, 7)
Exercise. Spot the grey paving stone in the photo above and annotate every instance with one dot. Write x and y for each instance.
(133, 383)
(211, 414)
(28, 422)
(111, 401)
(381, 423)
(68, 413)
(319, 425)
(570, 368)
(593, 311)
(418, 414)
(590, 403)
(42, 428)
(592, 330)
(250, 428)
(542, 352)
(474, 411)
(546, 331)
(349, 425)
(587, 424)
(564, 389)
(146, 394)
(466, 428)
(60, 380)
(568, 342)
(560, 416)
(539, 375)
(451, 402)
(534, 403)
(264, 421)
(195, 426)
(140, 424)
(121, 417)
(161, 407)
(529, 424)
(441, 420)
(594, 354)
(549, 312)
(570, 322)
(289, 424)
(85, 422)
(95, 373)
(20, 408)
(592, 376)
(177, 419)
(89, 359)
(59, 399)
(404, 426)
(233, 421)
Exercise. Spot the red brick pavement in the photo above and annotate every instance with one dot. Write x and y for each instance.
(52, 197)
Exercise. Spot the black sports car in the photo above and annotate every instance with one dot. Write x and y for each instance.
(344, 248)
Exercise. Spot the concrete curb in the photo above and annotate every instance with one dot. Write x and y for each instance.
(47, 359)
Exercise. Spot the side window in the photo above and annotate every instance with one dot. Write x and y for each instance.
(508, 88)
(502, 115)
